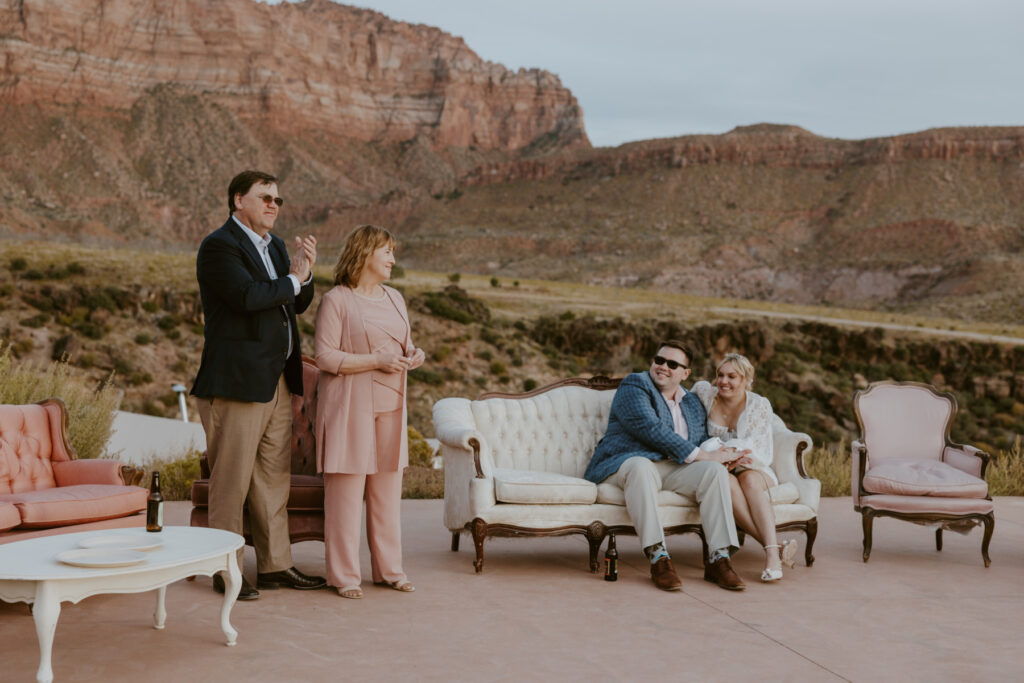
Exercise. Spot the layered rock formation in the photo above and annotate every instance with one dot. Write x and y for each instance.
(316, 64)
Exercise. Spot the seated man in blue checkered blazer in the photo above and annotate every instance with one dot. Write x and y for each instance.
(652, 444)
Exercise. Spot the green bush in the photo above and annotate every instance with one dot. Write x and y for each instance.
(176, 474)
(90, 410)
(142, 339)
(420, 452)
(425, 376)
(495, 282)
(452, 277)
(529, 384)
(17, 263)
(498, 368)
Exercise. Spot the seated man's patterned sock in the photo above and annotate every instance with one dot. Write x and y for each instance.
(655, 552)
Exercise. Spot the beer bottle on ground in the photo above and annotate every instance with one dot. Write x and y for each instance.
(155, 505)
(611, 560)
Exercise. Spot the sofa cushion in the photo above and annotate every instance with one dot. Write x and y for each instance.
(906, 477)
(9, 516)
(530, 486)
(613, 495)
(66, 505)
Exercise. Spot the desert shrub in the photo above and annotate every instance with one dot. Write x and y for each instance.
(441, 353)
(454, 303)
(454, 277)
(480, 381)
(1005, 473)
(830, 463)
(177, 472)
(520, 325)
(426, 376)
(138, 378)
(420, 452)
(423, 483)
(150, 306)
(504, 379)
(529, 384)
(168, 322)
(515, 283)
(74, 268)
(498, 368)
(6, 289)
(152, 408)
(491, 336)
(142, 339)
(35, 321)
(34, 274)
(17, 263)
(89, 329)
(90, 409)
(397, 272)
(484, 355)
(495, 282)
(174, 334)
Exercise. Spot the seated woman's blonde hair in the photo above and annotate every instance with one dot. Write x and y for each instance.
(359, 244)
(742, 365)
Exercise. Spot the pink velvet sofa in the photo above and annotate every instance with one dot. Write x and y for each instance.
(44, 489)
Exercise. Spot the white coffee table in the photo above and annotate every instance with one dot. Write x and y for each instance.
(30, 572)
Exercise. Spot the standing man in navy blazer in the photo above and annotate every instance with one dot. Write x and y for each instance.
(651, 445)
(251, 365)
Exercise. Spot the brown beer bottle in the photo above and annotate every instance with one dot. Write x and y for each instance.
(611, 560)
(155, 505)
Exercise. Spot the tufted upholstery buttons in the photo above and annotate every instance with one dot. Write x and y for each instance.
(556, 431)
(25, 449)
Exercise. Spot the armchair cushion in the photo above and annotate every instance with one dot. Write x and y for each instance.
(537, 486)
(912, 477)
(9, 516)
(66, 505)
(98, 471)
(931, 505)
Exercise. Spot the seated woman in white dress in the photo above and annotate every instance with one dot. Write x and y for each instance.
(739, 416)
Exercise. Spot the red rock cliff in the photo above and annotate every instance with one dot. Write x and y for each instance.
(316, 64)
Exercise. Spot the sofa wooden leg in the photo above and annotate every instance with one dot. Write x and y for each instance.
(867, 519)
(455, 541)
(938, 539)
(705, 552)
(595, 535)
(479, 528)
(990, 522)
(812, 533)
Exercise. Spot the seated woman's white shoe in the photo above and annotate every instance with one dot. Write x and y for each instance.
(770, 575)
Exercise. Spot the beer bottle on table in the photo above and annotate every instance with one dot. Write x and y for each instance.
(155, 505)
(611, 560)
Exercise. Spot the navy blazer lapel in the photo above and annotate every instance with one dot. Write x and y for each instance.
(660, 405)
(248, 247)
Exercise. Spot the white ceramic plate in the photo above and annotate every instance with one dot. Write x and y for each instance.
(101, 557)
(144, 541)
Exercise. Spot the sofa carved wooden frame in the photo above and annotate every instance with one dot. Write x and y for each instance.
(946, 521)
(597, 531)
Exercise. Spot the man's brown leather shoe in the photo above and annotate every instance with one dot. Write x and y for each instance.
(246, 592)
(722, 573)
(290, 578)
(664, 576)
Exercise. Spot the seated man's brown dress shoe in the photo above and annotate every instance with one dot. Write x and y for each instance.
(722, 573)
(246, 592)
(290, 578)
(664, 576)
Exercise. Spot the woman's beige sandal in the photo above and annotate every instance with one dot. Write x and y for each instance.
(351, 592)
(404, 585)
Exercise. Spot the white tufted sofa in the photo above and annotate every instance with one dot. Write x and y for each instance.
(513, 466)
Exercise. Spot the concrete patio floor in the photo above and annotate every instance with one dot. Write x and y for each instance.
(537, 614)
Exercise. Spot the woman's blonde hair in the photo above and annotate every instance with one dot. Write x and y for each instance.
(742, 365)
(359, 244)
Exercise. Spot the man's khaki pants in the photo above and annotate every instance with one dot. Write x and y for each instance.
(708, 482)
(248, 446)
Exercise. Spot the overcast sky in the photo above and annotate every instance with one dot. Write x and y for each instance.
(661, 68)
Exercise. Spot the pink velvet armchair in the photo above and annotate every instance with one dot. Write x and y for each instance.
(905, 466)
(44, 489)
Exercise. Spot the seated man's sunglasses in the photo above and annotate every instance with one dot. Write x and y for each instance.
(672, 365)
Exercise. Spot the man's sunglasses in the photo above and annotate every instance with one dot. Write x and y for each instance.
(269, 199)
(672, 365)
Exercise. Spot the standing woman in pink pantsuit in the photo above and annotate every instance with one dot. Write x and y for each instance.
(364, 350)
